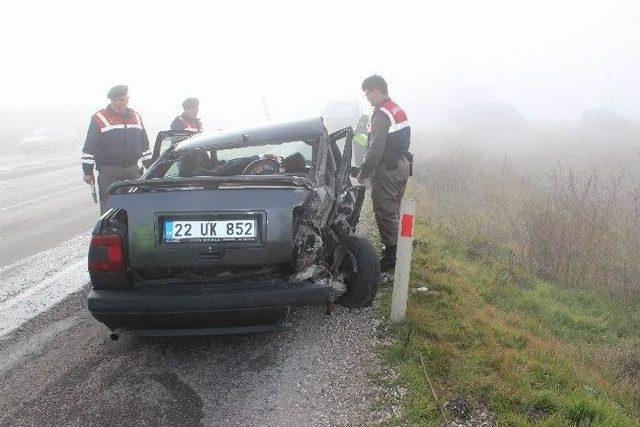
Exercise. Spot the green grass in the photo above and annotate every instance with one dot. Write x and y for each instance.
(494, 335)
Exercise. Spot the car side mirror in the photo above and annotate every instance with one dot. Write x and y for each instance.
(355, 171)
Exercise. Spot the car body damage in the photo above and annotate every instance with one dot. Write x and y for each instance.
(231, 223)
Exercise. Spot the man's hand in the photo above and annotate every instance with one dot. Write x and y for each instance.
(362, 178)
(89, 179)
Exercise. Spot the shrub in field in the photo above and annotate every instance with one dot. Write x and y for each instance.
(578, 233)
(577, 226)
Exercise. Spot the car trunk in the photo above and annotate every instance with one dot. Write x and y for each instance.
(183, 229)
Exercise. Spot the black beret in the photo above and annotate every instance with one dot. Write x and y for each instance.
(118, 90)
(190, 103)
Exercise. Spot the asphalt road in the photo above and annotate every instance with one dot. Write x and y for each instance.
(43, 202)
(58, 366)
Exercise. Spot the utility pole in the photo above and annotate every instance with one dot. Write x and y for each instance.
(266, 108)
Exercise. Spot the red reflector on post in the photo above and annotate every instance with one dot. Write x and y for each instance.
(106, 254)
(407, 226)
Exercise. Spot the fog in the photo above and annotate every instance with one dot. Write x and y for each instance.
(549, 61)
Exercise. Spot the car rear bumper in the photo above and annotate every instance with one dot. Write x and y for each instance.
(188, 307)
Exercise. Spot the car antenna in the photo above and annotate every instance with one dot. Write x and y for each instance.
(266, 108)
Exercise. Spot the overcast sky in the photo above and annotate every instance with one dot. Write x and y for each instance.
(549, 59)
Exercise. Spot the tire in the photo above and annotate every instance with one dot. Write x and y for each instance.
(362, 285)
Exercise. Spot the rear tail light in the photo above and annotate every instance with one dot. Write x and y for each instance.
(106, 254)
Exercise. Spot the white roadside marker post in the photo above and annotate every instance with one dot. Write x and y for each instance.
(403, 260)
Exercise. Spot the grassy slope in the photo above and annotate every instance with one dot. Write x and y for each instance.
(532, 352)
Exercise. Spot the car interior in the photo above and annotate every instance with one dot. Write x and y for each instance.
(291, 158)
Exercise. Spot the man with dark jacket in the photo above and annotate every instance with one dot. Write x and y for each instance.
(387, 162)
(188, 121)
(117, 145)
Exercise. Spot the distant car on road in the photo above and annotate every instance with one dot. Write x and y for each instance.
(227, 230)
(339, 114)
(49, 139)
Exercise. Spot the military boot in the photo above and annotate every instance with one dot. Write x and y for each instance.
(388, 260)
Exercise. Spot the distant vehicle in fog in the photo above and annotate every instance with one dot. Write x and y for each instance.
(49, 139)
(340, 114)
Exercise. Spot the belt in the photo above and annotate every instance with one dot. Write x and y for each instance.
(121, 165)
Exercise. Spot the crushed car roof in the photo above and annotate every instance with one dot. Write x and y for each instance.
(271, 133)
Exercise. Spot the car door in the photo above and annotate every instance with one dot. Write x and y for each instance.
(349, 197)
(343, 161)
(165, 140)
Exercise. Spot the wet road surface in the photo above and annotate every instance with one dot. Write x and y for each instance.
(43, 202)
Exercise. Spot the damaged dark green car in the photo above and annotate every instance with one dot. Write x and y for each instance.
(227, 231)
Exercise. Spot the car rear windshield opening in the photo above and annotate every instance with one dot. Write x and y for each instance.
(289, 158)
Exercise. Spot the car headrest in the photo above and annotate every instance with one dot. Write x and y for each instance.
(294, 163)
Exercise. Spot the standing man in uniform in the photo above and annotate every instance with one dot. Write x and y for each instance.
(387, 162)
(117, 145)
(188, 121)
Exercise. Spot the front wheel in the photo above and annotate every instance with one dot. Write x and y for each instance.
(360, 268)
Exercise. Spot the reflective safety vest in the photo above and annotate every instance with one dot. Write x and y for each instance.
(360, 139)
(182, 123)
(108, 120)
(115, 139)
(399, 136)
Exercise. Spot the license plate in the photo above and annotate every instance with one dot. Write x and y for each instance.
(233, 230)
